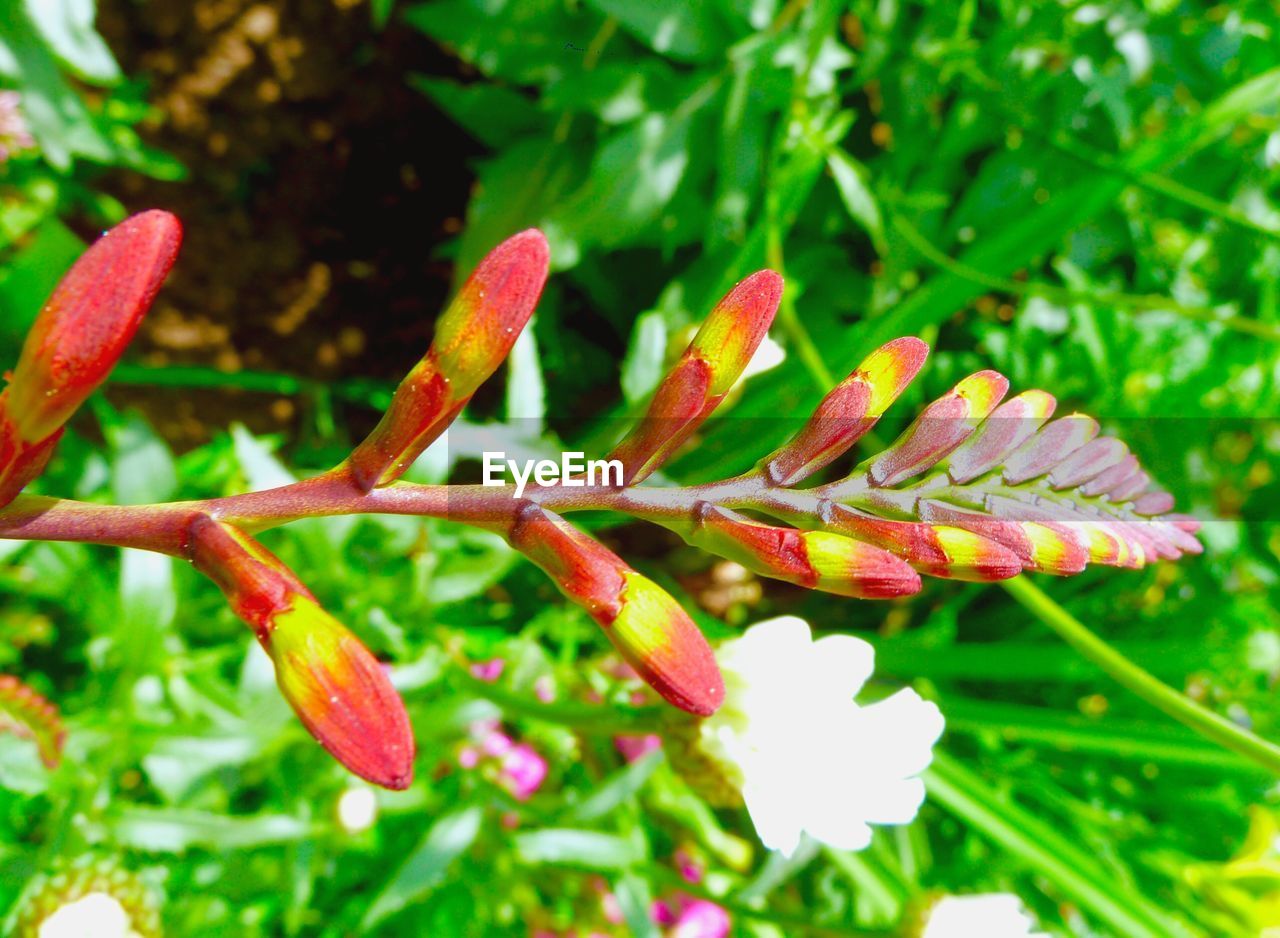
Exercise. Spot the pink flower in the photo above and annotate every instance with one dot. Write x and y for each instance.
(488, 671)
(634, 748)
(701, 919)
(523, 771)
(689, 866)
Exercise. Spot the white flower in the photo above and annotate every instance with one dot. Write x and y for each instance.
(806, 757)
(995, 915)
(357, 809)
(96, 915)
(767, 356)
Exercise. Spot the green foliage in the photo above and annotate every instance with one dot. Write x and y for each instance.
(1087, 199)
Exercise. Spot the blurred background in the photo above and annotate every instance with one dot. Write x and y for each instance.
(1084, 196)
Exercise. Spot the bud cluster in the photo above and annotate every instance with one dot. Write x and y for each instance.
(972, 489)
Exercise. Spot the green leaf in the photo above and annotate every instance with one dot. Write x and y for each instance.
(614, 790)
(171, 830)
(67, 26)
(644, 364)
(493, 114)
(526, 391)
(690, 32)
(447, 839)
(851, 182)
(591, 850)
(142, 468)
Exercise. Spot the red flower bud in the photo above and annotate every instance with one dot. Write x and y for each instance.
(647, 626)
(940, 428)
(473, 337)
(848, 412)
(335, 685)
(812, 559)
(91, 316)
(706, 371)
(74, 343)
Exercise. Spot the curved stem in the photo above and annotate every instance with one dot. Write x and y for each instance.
(1208, 724)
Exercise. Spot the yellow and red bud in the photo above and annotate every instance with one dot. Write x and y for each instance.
(1051, 445)
(812, 559)
(935, 550)
(335, 685)
(939, 429)
(342, 694)
(88, 321)
(473, 337)
(648, 627)
(848, 412)
(657, 638)
(476, 332)
(735, 328)
(1130, 488)
(1044, 547)
(702, 377)
(1008, 427)
(1152, 503)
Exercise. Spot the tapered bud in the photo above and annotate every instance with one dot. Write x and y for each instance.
(1108, 479)
(336, 686)
(935, 550)
(702, 377)
(342, 694)
(848, 412)
(1088, 462)
(647, 626)
(940, 428)
(1050, 446)
(91, 316)
(1104, 539)
(812, 559)
(1008, 427)
(1152, 503)
(1044, 547)
(1130, 488)
(76, 340)
(472, 339)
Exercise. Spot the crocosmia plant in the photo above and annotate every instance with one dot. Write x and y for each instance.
(978, 487)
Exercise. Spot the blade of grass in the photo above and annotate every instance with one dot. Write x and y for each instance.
(1045, 851)
(1039, 229)
(1118, 739)
(1127, 674)
(1064, 296)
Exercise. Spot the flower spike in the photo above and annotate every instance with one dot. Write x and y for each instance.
(338, 689)
(472, 339)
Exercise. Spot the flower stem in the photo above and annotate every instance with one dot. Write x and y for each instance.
(1119, 668)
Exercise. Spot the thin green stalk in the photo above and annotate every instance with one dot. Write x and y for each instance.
(1075, 872)
(1064, 296)
(788, 318)
(1208, 724)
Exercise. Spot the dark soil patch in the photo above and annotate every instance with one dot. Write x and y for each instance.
(320, 186)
